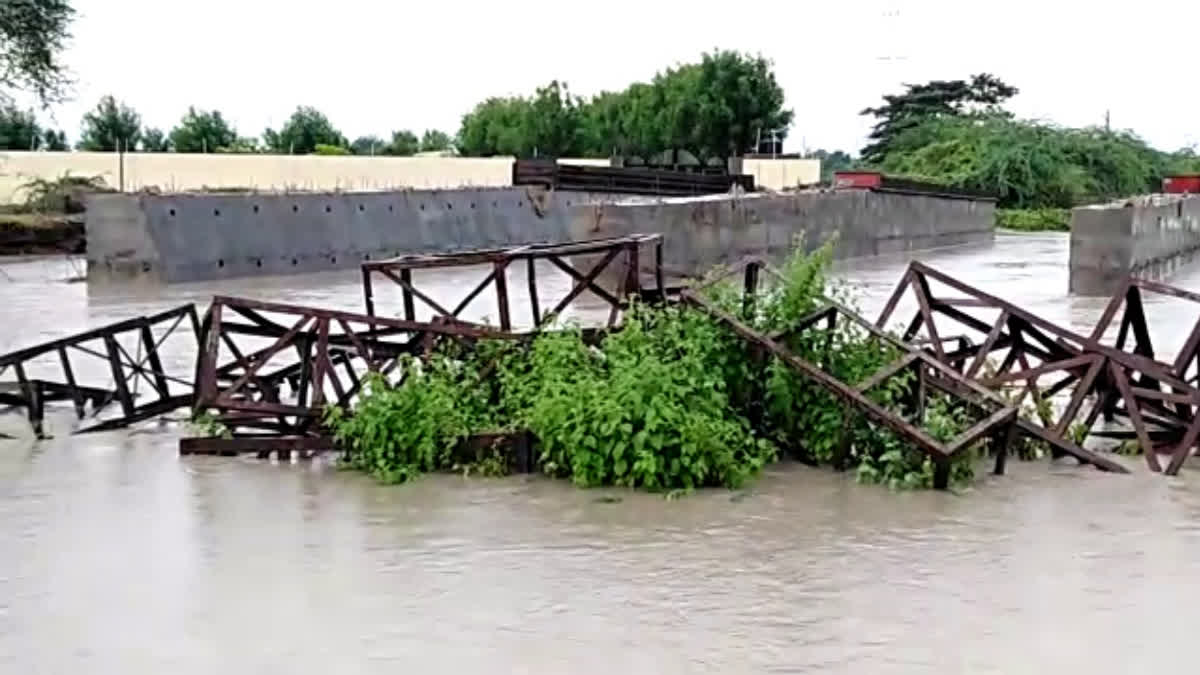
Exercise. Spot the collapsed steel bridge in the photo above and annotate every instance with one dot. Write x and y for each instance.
(263, 373)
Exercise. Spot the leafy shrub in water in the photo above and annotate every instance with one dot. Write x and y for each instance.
(649, 409)
(400, 431)
(664, 403)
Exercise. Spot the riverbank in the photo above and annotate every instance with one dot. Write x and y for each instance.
(41, 234)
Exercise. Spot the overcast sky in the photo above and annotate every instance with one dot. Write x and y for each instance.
(378, 65)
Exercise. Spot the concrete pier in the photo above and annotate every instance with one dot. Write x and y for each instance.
(1149, 236)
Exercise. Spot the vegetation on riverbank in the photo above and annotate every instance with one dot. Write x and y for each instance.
(50, 219)
(957, 133)
(1034, 220)
(669, 402)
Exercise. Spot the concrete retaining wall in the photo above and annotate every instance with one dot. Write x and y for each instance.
(196, 237)
(701, 233)
(1147, 236)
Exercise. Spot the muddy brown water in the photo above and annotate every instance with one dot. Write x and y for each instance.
(117, 556)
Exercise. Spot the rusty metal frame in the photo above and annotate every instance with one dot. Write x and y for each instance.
(625, 250)
(998, 421)
(308, 346)
(1128, 383)
(752, 268)
(167, 391)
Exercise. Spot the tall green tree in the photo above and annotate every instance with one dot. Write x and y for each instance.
(434, 140)
(497, 126)
(33, 34)
(553, 121)
(736, 99)
(111, 124)
(983, 93)
(202, 131)
(19, 129)
(154, 140)
(54, 141)
(368, 145)
(303, 132)
(404, 143)
(1026, 164)
(714, 108)
(831, 162)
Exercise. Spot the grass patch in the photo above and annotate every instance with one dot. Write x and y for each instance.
(1034, 220)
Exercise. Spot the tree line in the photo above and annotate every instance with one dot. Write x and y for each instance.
(113, 125)
(958, 133)
(719, 107)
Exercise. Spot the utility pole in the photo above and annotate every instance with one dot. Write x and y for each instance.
(1107, 125)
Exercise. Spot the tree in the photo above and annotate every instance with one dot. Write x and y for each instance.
(714, 108)
(303, 132)
(982, 94)
(368, 145)
(737, 98)
(1026, 164)
(54, 141)
(109, 125)
(434, 140)
(202, 131)
(404, 143)
(242, 145)
(831, 162)
(19, 129)
(154, 140)
(496, 126)
(33, 34)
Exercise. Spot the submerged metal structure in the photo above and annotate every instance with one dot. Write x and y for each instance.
(623, 253)
(131, 376)
(1120, 380)
(264, 373)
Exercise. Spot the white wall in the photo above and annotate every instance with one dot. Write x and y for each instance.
(171, 172)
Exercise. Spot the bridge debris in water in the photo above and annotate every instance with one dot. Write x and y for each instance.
(1158, 400)
(130, 349)
(265, 372)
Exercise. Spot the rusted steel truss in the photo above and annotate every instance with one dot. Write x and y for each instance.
(595, 257)
(999, 418)
(996, 419)
(1018, 348)
(267, 370)
(121, 364)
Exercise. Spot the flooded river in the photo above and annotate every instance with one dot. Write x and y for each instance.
(118, 556)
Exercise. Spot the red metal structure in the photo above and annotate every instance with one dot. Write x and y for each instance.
(857, 179)
(1182, 184)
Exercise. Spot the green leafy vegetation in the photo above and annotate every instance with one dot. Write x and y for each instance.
(111, 125)
(671, 402)
(956, 133)
(1034, 220)
(714, 109)
(33, 34)
(202, 131)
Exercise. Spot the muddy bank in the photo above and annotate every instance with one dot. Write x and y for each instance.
(36, 234)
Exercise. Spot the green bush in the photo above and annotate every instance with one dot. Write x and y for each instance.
(325, 149)
(663, 404)
(398, 432)
(1034, 220)
(650, 409)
